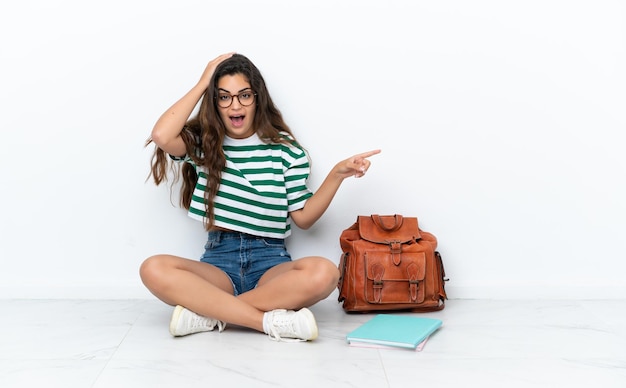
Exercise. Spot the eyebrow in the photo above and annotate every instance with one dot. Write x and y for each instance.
(228, 91)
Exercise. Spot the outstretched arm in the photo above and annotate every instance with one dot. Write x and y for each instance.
(315, 206)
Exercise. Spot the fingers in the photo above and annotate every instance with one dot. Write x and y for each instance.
(211, 66)
(363, 157)
(361, 164)
(367, 154)
(224, 56)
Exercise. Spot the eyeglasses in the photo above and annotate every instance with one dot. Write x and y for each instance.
(245, 98)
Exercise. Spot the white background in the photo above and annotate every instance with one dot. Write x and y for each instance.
(500, 125)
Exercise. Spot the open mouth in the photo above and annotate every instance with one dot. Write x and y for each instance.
(237, 121)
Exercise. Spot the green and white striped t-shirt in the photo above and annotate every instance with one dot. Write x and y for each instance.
(260, 185)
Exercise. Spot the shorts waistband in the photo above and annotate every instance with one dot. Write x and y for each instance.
(229, 234)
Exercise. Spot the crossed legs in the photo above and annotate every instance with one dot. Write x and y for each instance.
(207, 290)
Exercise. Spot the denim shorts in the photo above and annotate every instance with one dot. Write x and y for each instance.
(244, 257)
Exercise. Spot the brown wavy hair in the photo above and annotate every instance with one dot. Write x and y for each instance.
(204, 135)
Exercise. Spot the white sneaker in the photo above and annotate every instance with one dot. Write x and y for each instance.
(296, 325)
(187, 322)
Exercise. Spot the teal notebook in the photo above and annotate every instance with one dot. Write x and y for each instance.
(404, 331)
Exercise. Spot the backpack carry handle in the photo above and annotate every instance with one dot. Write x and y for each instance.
(387, 223)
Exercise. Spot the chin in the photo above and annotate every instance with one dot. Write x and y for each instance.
(240, 134)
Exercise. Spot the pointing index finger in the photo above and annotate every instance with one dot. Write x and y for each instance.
(366, 155)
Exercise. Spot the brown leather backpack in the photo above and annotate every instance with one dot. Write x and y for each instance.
(388, 263)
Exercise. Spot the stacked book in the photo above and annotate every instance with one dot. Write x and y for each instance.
(394, 331)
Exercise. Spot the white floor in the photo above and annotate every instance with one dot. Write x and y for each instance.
(482, 343)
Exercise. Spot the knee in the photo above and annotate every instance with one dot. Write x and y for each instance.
(325, 275)
(152, 269)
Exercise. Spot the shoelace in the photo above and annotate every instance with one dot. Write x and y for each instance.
(200, 321)
(282, 325)
(220, 325)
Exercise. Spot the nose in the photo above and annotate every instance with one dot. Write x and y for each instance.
(237, 102)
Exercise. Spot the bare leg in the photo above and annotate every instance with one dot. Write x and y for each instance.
(207, 290)
(199, 287)
(293, 285)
